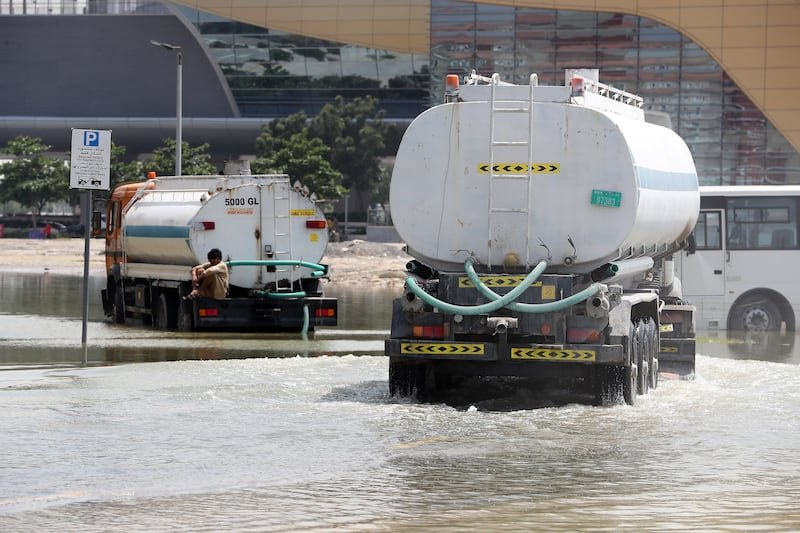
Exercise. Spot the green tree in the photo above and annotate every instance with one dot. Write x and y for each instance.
(194, 161)
(33, 179)
(355, 132)
(121, 170)
(301, 157)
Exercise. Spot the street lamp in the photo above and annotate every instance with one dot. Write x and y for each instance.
(178, 104)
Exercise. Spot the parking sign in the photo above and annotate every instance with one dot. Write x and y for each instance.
(90, 164)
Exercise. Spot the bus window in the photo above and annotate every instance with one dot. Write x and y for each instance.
(761, 223)
(708, 231)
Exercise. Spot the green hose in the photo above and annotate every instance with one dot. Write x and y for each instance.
(281, 295)
(304, 331)
(317, 269)
(578, 297)
(469, 310)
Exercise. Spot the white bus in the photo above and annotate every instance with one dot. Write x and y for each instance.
(744, 273)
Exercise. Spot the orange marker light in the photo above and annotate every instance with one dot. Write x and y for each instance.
(451, 83)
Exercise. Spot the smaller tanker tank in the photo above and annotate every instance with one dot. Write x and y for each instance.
(172, 223)
(512, 175)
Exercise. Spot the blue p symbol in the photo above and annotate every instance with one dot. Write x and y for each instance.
(91, 138)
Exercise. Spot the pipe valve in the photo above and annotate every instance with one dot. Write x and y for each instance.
(501, 324)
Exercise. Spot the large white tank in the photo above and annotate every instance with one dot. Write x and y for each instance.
(603, 183)
(175, 221)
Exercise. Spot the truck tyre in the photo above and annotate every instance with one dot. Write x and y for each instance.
(631, 372)
(119, 304)
(652, 339)
(185, 315)
(643, 359)
(165, 312)
(756, 313)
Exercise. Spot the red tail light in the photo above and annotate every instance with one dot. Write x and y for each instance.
(316, 224)
(208, 224)
(206, 312)
(428, 332)
(324, 313)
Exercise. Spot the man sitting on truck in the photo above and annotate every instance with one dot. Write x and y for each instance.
(210, 280)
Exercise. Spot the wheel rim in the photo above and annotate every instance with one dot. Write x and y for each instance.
(756, 319)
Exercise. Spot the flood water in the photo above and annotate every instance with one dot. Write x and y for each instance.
(209, 432)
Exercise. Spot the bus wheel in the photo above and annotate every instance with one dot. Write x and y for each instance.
(756, 313)
(165, 312)
(119, 304)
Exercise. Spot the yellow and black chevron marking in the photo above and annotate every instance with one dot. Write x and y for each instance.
(547, 354)
(440, 348)
(669, 349)
(496, 281)
(520, 168)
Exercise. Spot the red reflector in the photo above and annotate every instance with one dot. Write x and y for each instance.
(316, 224)
(208, 312)
(582, 335)
(324, 312)
(429, 332)
(208, 224)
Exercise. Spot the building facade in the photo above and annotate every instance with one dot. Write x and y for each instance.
(252, 62)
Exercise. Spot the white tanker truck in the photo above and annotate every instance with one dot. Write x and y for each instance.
(272, 236)
(542, 221)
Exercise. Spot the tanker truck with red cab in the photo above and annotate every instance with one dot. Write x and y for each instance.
(272, 235)
(542, 221)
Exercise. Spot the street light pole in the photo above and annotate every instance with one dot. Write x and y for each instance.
(178, 103)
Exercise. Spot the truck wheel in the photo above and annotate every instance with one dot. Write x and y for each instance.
(119, 304)
(652, 340)
(654, 373)
(756, 313)
(629, 384)
(643, 359)
(631, 373)
(185, 316)
(165, 316)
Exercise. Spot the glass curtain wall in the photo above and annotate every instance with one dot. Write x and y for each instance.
(730, 139)
(274, 74)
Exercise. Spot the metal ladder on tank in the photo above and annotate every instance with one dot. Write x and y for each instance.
(282, 239)
(497, 178)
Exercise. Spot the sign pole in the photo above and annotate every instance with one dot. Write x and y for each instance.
(90, 169)
(86, 216)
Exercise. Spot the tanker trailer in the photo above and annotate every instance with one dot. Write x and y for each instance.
(272, 236)
(542, 221)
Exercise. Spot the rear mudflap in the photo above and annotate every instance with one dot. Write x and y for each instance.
(677, 357)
